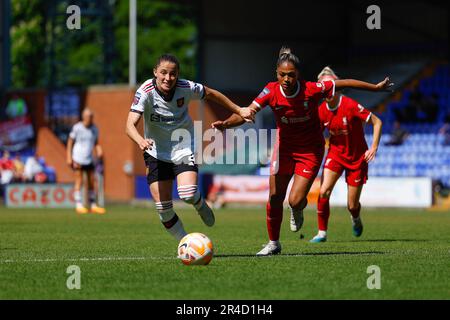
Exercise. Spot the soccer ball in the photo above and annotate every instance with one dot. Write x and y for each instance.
(195, 249)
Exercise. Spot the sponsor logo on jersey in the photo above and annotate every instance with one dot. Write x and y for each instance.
(344, 120)
(180, 102)
(263, 93)
(159, 118)
(137, 97)
(294, 120)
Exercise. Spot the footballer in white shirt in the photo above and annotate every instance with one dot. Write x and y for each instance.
(82, 142)
(163, 102)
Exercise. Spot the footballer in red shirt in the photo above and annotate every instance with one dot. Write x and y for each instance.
(348, 151)
(300, 144)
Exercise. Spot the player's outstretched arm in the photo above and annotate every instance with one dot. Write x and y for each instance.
(215, 96)
(234, 120)
(385, 85)
(377, 125)
(131, 130)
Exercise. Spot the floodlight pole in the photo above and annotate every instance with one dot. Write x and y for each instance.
(132, 40)
(5, 78)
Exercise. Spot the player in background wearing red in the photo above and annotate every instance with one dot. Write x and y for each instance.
(300, 144)
(348, 150)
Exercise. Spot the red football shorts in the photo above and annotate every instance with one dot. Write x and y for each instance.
(306, 165)
(353, 177)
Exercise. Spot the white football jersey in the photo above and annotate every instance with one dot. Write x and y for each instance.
(162, 117)
(85, 140)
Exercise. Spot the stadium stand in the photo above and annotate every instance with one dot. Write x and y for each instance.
(400, 72)
(425, 151)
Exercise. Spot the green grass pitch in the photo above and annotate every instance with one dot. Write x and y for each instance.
(126, 254)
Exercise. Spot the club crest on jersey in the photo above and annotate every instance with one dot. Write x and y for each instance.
(321, 86)
(264, 93)
(180, 102)
(137, 97)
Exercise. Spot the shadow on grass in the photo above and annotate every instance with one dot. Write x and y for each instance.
(384, 240)
(301, 254)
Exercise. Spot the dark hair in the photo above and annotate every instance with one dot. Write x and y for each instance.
(169, 58)
(286, 55)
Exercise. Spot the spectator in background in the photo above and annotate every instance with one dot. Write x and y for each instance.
(445, 130)
(31, 169)
(16, 107)
(398, 135)
(409, 113)
(6, 169)
(19, 168)
(428, 109)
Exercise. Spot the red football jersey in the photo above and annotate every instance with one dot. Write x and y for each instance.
(297, 116)
(345, 124)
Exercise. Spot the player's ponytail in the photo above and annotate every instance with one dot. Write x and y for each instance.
(169, 58)
(286, 55)
(327, 72)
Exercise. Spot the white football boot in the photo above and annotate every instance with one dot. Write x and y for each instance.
(206, 214)
(296, 220)
(270, 249)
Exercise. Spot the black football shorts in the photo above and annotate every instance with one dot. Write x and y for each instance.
(158, 170)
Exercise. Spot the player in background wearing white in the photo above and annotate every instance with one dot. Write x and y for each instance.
(163, 101)
(82, 143)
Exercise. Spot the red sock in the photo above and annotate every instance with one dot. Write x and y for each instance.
(323, 213)
(355, 213)
(274, 216)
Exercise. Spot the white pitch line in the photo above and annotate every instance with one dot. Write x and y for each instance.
(86, 259)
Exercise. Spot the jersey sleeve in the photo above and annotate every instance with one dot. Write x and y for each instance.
(140, 99)
(197, 90)
(360, 112)
(73, 132)
(96, 136)
(323, 89)
(263, 98)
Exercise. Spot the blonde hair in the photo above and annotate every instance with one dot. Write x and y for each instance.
(327, 71)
